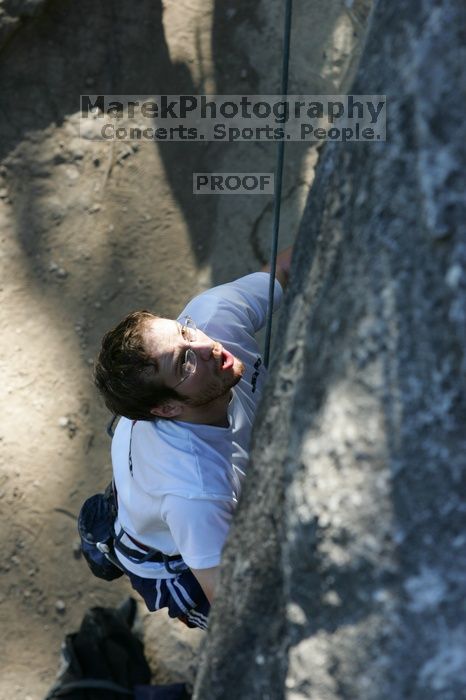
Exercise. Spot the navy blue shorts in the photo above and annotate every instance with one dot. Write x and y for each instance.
(182, 595)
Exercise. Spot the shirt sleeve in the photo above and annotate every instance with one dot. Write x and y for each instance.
(245, 299)
(199, 528)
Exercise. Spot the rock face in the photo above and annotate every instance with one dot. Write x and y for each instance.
(15, 12)
(345, 571)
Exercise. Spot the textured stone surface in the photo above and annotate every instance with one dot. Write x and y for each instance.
(13, 13)
(345, 570)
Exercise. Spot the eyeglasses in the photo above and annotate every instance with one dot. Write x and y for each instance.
(189, 333)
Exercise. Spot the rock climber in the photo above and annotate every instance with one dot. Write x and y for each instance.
(187, 391)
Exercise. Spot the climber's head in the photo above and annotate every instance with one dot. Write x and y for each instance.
(150, 367)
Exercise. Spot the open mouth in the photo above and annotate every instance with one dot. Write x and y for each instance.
(227, 360)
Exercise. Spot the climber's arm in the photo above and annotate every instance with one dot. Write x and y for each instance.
(208, 579)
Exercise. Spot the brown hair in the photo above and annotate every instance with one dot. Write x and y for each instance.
(125, 374)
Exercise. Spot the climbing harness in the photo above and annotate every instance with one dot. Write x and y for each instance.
(98, 540)
(278, 184)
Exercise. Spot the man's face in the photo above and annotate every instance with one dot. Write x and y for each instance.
(217, 370)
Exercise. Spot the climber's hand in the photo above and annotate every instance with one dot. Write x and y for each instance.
(282, 270)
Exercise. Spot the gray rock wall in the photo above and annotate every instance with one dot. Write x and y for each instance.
(14, 13)
(345, 571)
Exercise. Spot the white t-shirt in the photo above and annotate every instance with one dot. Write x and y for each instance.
(186, 478)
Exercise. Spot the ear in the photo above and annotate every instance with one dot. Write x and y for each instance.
(167, 409)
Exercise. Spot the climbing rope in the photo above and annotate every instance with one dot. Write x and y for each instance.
(278, 184)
